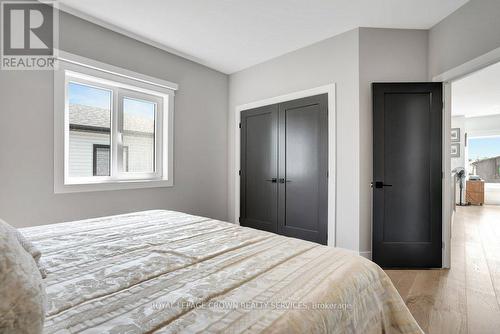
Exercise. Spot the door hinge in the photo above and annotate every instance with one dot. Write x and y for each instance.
(239, 219)
(239, 125)
(442, 244)
(239, 172)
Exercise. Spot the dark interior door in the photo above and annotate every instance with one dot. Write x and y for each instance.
(407, 174)
(303, 168)
(259, 168)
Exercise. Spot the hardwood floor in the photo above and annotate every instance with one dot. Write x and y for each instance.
(465, 298)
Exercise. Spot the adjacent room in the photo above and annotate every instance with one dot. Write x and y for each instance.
(475, 144)
(285, 166)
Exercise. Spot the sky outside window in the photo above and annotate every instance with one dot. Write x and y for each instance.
(100, 98)
(481, 148)
(89, 96)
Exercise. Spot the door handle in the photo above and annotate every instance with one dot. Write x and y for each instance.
(379, 184)
(273, 180)
(282, 180)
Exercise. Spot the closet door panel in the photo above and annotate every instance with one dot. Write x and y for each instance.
(303, 166)
(259, 168)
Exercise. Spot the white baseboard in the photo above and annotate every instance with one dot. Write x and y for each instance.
(367, 255)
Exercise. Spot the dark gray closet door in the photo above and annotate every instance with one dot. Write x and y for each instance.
(259, 168)
(303, 168)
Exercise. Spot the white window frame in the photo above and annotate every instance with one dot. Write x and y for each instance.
(157, 173)
(122, 83)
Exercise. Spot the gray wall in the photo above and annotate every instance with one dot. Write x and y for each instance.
(471, 31)
(483, 126)
(26, 135)
(353, 61)
(334, 60)
(204, 119)
(462, 160)
(385, 55)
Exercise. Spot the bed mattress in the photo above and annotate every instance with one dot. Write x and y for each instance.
(170, 272)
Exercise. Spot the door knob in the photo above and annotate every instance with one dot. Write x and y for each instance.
(380, 184)
(273, 180)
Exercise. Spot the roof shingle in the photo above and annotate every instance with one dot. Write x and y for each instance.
(101, 118)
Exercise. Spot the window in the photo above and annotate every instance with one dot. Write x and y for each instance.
(89, 113)
(113, 128)
(484, 157)
(101, 159)
(137, 123)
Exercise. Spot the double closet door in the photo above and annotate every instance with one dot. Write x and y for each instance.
(284, 168)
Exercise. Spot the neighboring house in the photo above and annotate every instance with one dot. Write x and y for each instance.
(488, 169)
(89, 142)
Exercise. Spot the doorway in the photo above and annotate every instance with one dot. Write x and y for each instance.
(475, 129)
(471, 111)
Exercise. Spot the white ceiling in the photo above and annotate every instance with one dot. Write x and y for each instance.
(230, 35)
(477, 94)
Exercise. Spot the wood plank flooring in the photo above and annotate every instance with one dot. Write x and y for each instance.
(465, 298)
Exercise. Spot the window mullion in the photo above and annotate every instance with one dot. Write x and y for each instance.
(117, 151)
(159, 140)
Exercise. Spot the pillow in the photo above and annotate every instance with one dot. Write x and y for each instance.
(22, 301)
(28, 246)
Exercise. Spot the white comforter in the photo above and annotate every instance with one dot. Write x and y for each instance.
(168, 272)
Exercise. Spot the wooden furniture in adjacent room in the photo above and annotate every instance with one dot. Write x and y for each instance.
(475, 192)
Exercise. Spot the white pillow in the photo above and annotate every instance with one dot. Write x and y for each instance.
(22, 294)
(28, 246)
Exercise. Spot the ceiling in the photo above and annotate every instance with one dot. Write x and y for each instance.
(230, 35)
(477, 94)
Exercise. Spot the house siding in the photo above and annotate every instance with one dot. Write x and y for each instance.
(140, 152)
(81, 151)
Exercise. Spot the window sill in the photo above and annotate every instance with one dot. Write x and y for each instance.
(111, 185)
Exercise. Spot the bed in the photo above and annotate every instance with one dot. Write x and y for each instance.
(169, 272)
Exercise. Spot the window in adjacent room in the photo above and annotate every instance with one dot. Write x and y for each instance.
(484, 157)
